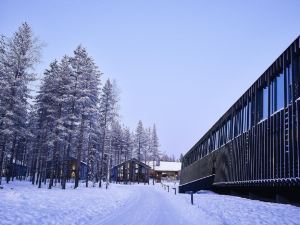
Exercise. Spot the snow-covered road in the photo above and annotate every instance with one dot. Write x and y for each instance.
(148, 206)
(21, 203)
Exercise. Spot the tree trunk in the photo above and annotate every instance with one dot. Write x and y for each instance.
(97, 173)
(102, 160)
(88, 163)
(54, 153)
(53, 163)
(1, 160)
(79, 150)
(38, 171)
(64, 168)
(33, 170)
(40, 174)
(45, 172)
(11, 160)
(67, 156)
(51, 174)
(108, 174)
(87, 177)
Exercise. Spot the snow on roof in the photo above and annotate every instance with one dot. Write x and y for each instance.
(165, 166)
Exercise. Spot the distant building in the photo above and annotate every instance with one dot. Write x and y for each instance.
(164, 170)
(16, 169)
(71, 162)
(131, 170)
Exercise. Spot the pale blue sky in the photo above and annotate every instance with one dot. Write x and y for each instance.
(180, 64)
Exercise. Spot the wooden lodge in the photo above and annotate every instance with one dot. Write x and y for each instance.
(131, 170)
(71, 168)
(162, 170)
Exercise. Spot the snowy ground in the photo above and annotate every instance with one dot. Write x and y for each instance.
(20, 203)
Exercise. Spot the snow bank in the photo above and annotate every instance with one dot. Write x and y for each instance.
(22, 203)
(211, 208)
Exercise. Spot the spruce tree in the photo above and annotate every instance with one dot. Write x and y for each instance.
(140, 140)
(107, 114)
(18, 54)
(88, 83)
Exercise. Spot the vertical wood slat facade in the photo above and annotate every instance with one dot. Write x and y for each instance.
(253, 144)
(131, 170)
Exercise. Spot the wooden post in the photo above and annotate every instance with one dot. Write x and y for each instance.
(192, 196)
(174, 190)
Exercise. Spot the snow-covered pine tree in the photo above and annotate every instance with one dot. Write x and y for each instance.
(50, 123)
(116, 142)
(67, 106)
(92, 149)
(52, 104)
(155, 154)
(181, 157)
(19, 55)
(127, 143)
(47, 111)
(69, 115)
(140, 140)
(87, 79)
(4, 93)
(148, 147)
(155, 144)
(108, 106)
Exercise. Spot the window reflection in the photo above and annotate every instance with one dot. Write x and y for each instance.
(277, 93)
(288, 72)
(265, 102)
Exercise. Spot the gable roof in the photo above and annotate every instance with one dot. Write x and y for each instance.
(133, 160)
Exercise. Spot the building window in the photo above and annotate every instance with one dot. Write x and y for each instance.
(208, 144)
(245, 118)
(214, 141)
(253, 119)
(221, 136)
(249, 114)
(205, 148)
(289, 84)
(199, 151)
(277, 93)
(233, 126)
(266, 102)
(262, 104)
(229, 130)
(237, 123)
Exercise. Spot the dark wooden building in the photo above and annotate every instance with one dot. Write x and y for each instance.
(16, 169)
(255, 145)
(71, 162)
(130, 171)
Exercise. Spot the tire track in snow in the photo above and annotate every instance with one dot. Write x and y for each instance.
(147, 207)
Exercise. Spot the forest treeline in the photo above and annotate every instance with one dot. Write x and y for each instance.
(74, 115)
